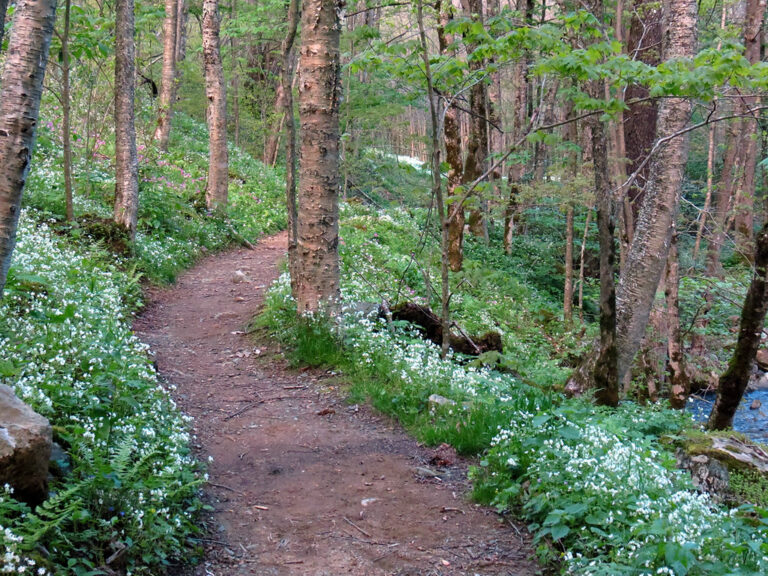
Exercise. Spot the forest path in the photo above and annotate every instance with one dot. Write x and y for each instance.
(301, 482)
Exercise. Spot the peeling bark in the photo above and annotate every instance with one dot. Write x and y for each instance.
(168, 78)
(126, 159)
(650, 246)
(217, 188)
(317, 287)
(22, 87)
(290, 142)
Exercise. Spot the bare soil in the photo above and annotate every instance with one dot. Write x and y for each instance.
(302, 482)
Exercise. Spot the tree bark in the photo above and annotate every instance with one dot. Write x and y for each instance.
(744, 201)
(733, 382)
(606, 367)
(126, 159)
(678, 376)
(22, 87)
(66, 112)
(477, 145)
(290, 142)
(650, 246)
(319, 95)
(568, 288)
(168, 78)
(182, 15)
(217, 188)
(437, 185)
(452, 140)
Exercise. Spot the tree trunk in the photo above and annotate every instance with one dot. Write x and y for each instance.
(182, 15)
(126, 159)
(66, 109)
(568, 288)
(606, 369)
(290, 142)
(217, 188)
(711, 137)
(650, 246)
(319, 95)
(22, 87)
(477, 145)
(168, 79)
(678, 377)
(734, 381)
(744, 200)
(272, 142)
(452, 139)
(437, 185)
(581, 264)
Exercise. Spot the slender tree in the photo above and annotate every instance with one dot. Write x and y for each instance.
(66, 111)
(286, 80)
(168, 78)
(217, 188)
(733, 382)
(22, 87)
(317, 283)
(648, 252)
(126, 158)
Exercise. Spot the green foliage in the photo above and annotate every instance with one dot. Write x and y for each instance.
(749, 486)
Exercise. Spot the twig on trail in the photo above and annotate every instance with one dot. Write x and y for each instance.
(294, 562)
(224, 487)
(294, 387)
(211, 541)
(348, 521)
(447, 509)
(257, 402)
(244, 409)
(384, 555)
(260, 507)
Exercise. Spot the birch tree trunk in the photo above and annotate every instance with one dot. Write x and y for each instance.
(733, 382)
(168, 79)
(126, 159)
(650, 245)
(217, 188)
(317, 286)
(22, 87)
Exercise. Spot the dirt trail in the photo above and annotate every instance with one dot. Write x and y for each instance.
(302, 482)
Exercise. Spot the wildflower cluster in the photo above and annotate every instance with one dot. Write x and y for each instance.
(66, 348)
(597, 482)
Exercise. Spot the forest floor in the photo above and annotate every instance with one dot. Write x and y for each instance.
(301, 481)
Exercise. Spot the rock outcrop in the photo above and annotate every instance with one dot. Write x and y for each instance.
(25, 448)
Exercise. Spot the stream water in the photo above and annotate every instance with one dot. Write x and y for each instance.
(753, 423)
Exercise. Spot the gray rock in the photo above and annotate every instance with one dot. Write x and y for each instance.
(756, 404)
(708, 474)
(25, 448)
(436, 400)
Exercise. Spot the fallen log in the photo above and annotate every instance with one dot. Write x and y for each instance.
(432, 329)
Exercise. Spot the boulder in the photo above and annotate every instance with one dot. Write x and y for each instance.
(761, 358)
(25, 448)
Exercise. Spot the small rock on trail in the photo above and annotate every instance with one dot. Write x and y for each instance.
(301, 483)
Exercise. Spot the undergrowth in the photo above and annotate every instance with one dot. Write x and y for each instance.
(599, 491)
(127, 489)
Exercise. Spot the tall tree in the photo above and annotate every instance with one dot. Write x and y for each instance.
(648, 252)
(126, 158)
(217, 188)
(733, 382)
(22, 87)
(66, 110)
(286, 80)
(317, 285)
(168, 79)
